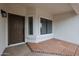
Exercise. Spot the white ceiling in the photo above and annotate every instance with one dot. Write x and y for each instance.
(54, 8)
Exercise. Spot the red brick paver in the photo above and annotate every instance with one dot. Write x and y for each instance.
(55, 46)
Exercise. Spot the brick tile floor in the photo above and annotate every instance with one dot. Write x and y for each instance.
(55, 46)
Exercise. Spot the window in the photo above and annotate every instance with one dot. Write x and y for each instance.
(43, 28)
(46, 26)
(30, 25)
(49, 26)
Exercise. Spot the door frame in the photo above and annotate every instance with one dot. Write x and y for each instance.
(8, 31)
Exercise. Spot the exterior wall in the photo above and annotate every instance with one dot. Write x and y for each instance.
(3, 33)
(66, 27)
(31, 11)
(44, 14)
(37, 13)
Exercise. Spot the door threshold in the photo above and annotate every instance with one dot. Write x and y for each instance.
(16, 44)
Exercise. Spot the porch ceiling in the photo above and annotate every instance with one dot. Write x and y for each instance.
(54, 8)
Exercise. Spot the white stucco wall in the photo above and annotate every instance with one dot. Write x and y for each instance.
(66, 27)
(44, 14)
(31, 11)
(37, 13)
(2, 35)
(3, 31)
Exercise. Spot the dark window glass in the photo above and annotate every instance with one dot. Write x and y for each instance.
(30, 25)
(46, 26)
(49, 26)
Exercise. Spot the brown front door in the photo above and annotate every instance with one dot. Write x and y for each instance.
(15, 28)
